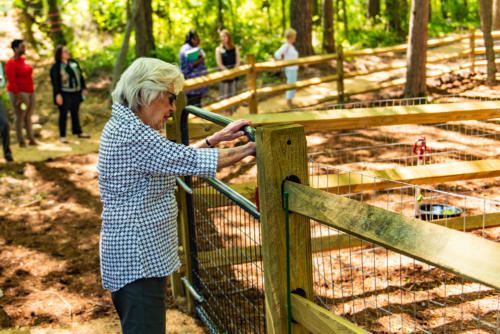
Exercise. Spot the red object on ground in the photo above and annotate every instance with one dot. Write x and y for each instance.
(420, 146)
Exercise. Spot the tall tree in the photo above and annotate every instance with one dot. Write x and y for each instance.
(417, 49)
(301, 21)
(328, 26)
(122, 54)
(28, 20)
(393, 13)
(485, 13)
(372, 9)
(220, 16)
(283, 16)
(55, 21)
(143, 26)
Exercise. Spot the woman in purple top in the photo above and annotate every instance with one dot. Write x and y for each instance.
(192, 68)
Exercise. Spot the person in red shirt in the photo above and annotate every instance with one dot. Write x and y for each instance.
(21, 91)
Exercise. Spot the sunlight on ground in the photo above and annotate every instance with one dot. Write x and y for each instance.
(177, 322)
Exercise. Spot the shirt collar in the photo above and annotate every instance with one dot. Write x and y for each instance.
(125, 113)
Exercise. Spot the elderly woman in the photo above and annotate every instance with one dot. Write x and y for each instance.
(137, 169)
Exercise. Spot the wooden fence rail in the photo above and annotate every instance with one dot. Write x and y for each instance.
(343, 119)
(281, 168)
(250, 70)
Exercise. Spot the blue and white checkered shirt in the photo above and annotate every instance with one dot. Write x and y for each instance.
(137, 168)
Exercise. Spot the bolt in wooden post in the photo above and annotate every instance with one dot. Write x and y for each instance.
(183, 232)
(281, 153)
(472, 42)
(340, 73)
(252, 84)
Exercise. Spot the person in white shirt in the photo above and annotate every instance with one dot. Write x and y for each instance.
(288, 52)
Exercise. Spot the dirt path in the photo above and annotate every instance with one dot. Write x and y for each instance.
(49, 236)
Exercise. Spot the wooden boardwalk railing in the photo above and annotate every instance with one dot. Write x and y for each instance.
(250, 70)
(342, 119)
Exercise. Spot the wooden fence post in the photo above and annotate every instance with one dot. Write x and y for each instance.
(252, 84)
(281, 153)
(340, 73)
(472, 42)
(178, 289)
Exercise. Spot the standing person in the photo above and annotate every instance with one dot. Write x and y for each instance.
(192, 68)
(288, 52)
(21, 91)
(137, 168)
(69, 90)
(4, 123)
(227, 56)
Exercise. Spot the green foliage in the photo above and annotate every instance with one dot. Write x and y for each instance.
(98, 63)
(110, 16)
(94, 28)
(167, 53)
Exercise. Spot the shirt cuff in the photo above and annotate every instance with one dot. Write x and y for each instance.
(206, 161)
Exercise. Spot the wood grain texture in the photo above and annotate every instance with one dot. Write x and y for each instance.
(212, 78)
(237, 255)
(183, 236)
(343, 119)
(282, 152)
(456, 252)
(319, 320)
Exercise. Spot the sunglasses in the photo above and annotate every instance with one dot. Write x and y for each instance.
(172, 98)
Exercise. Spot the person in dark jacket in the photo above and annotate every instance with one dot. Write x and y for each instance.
(4, 123)
(69, 91)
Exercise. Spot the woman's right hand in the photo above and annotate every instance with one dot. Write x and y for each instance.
(59, 100)
(199, 60)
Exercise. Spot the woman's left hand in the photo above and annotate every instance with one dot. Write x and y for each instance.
(232, 131)
(84, 92)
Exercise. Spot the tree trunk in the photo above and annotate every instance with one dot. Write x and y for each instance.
(496, 15)
(283, 16)
(393, 13)
(122, 54)
(417, 49)
(143, 22)
(220, 16)
(485, 8)
(28, 22)
(328, 26)
(372, 9)
(55, 22)
(301, 21)
(344, 12)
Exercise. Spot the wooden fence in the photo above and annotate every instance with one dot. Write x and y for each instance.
(282, 167)
(251, 69)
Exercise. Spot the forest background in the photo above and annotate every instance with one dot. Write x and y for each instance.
(94, 30)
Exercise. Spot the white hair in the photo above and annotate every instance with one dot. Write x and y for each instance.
(146, 79)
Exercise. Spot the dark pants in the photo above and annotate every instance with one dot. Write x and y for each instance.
(194, 100)
(141, 306)
(71, 102)
(4, 132)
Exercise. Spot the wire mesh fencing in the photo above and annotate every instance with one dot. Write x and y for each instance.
(384, 291)
(229, 271)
